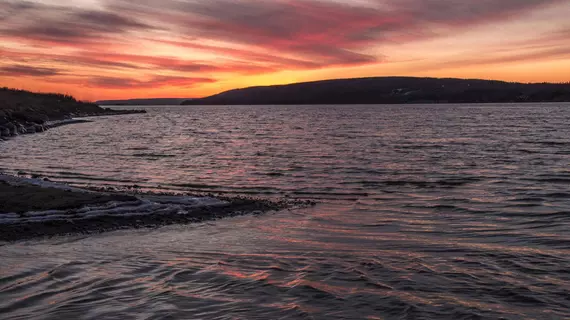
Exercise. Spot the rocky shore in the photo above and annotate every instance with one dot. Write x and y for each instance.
(24, 112)
(35, 208)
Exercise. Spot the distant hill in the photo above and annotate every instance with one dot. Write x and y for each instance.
(391, 90)
(143, 102)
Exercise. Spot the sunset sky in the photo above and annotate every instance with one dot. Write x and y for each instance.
(107, 49)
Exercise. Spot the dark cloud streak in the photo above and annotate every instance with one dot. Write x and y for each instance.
(23, 71)
(30, 21)
(154, 82)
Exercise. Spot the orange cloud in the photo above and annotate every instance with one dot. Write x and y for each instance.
(201, 47)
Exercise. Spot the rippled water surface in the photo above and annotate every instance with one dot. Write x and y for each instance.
(425, 212)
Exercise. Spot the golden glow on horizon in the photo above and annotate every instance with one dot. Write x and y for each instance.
(115, 49)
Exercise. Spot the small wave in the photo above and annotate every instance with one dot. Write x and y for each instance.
(274, 174)
(554, 180)
(556, 195)
(549, 143)
(153, 155)
(316, 193)
(138, 148)
(528, 151)
(195, 186)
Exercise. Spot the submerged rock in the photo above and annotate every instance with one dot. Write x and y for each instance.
(31, 129)
(13, 128)
(4, 132)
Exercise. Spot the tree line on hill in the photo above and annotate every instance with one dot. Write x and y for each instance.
(392, 90)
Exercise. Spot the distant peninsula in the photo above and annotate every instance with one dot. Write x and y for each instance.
(391, 90)
(143, 102)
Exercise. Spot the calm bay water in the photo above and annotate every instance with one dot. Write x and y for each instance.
(425, 212)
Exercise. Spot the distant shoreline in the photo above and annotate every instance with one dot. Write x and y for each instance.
(391, 90)
(24, 112)
(12, 129)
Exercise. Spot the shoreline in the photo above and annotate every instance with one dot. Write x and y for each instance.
(15, 128)
(33, 208)
(25, 112)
